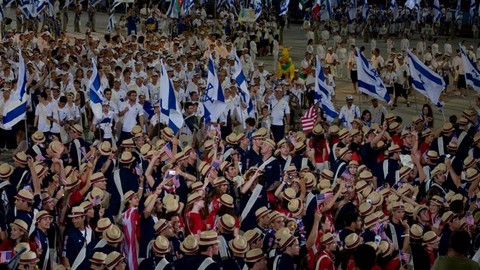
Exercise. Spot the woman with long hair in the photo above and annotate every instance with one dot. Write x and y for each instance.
(194, 218)
(427, 116)
(318, 143)
(131, 230)
(19, 233)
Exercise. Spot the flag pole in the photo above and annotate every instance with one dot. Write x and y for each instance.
(416, 103)
(26, 129)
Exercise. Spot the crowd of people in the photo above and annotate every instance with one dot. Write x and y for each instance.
(368, 190)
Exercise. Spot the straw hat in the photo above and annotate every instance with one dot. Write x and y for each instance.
(136, 130)
(375, 198)
(41, 215)
(254, 255)
(430, 237)
(56, 147)
(227, 222)
(366, 176)
(28, 257)
(404, 171)
(296, 206)
(286, 241)
(419, 208)
(38, 137)
(208, 238)
(76, 128)
(189, 245)
(238, 245)
(231, 139)
(113, 259)
(217, 182)
(343, 152)
(168, 133)
(21, 158)
(471, 175)
(103, 224)
(416, 232)
(105, 148)
(352, 241)
(261, 212)
(161, 245)
(126, 158)
(310, 180)
(24, 195)
(327, 174)
(469, 162)
(113, 234)
(289, 194)
(370, 221)
(161, 225)
(270, 143)
(226, 200)
(98, 258)
(194, 197)
(385, 248)
(448, 216)
(318, 129)
(129, 195)
(274, 215)
(252, 236)
(343, 133)
(328, 239)
(20, 224)
(97, 177)
(5, 170)
(366, 209)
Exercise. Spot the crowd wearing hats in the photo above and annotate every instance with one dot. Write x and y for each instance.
(249, 190)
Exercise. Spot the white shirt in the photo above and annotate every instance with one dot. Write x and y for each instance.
(130, 117)
(106, 123)
(43, 123)
(60, 114)
(279, 109)
(348, 115)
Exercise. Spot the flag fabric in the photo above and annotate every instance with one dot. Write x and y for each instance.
(2, 14)
(369, 81)
(26, 7)
(170, 111)
(69, 2)
(323, 94)
(472, 73)
(328, 9)
(15, 110)
(174, 9)
(284, 7)
(228, 3)
(214, 100)
(457, 9)
(394, 9)
(316, 9)
(308, 119)
(8, 3)
(219, 3)
(242, 85)
(365, 11)
(148, 108)
(425, 80)
(96, 92)
(111, 21)
(410, 4)
(115, 3)
(437, 12)
(130, 248)
(473, 5)
(257, 7)
(352, 10)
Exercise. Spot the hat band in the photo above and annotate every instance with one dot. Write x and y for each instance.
(78, 213)
(19, 160)
(23, 198)
(288, 242)
(190, 249)
(371, 222)
(209, 239)
(97, 261)
(238, 249)
(103, 228)
(226, 226)
(32, 260)
(254, 238)
(262, 214)
(471, 178)
(354, 244)
(228, 204)
(161, 228)
(114, 262)
(328, 241)
(255, 258)
(159, 249)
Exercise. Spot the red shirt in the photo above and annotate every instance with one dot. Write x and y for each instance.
(325, 261)
(195, 222)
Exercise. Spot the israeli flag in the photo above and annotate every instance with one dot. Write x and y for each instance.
(322, 93)
(171, 112)
(7, 3)
(173, 9)
(15, 110)
(284, 7)
(229, 4)
(394, 9)
(352, 10)
(111, 21)
(26, 7)
(257, 8)
(214, 100)
(457, 10)
(2, 15)
(96, 92)
(219, 3)
(410, 4)
(425, 80)
(148, 108)
(115, 4)
(472, 73)
(189, 4)
(369, 81)
(69, 2)
(365, 11)
(242, 85)
(437, 12)
(39, 6)
(473, 5)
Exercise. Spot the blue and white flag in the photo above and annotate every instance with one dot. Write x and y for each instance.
(229, 4)
(242, 86)
(2, 14)
(148, 108)
(284, 7)
(410, 4)
(111, 21)
(115, 4)
(214, 100)
(15, 110)
(322, 93)
(219, 3)
(365, 9)
(394, 9)
(257, 7)
(327, 12)
(170, 111)
(38, 7)
(425, 80)
(96, 92)
(369, 81)
(458, 9)
(26, 7)
(437, 12)
(352, 10)
(473, 6)
(472, 73)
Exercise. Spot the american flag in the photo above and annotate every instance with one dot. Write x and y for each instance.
(130, 221)
(308, 119)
